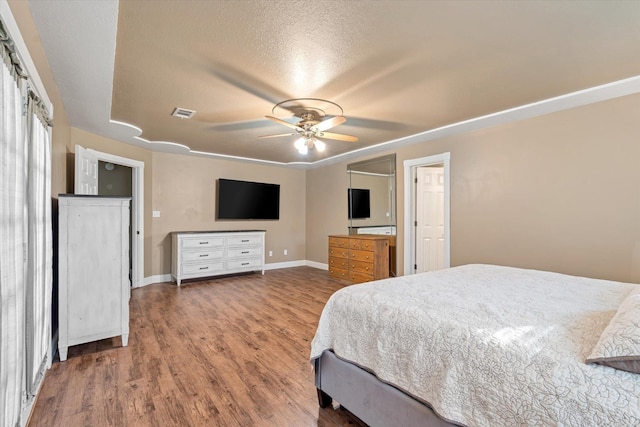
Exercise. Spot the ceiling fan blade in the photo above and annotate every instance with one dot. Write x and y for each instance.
(336, 136)
(278, 135)
(330, 123)
(284, 123)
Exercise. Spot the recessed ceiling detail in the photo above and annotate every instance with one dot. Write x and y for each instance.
(401, 70)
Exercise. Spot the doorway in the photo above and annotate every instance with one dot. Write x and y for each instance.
(87, 176)
(426, 213)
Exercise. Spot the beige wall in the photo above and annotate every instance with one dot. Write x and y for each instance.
(559, 192)
(184, 190)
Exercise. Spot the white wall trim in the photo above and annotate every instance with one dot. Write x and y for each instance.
(317, 265)
(410, 166)
(286, 264)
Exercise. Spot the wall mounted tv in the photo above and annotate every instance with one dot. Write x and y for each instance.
(247, 200)
(359, 203)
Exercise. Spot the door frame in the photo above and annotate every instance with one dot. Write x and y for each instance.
(137, 212)
(410, 173)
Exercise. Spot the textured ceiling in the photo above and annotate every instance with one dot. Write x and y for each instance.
(397, 68)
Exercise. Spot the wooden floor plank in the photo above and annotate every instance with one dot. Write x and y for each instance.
(231, 351)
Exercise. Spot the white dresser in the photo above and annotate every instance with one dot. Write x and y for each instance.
(93, 262)
(197, 254)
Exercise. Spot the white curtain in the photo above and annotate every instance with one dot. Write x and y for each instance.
(25, 239)
(39, 256)
(12, 245)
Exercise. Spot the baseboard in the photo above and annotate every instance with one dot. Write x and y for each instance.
(164, 278)
(317, 265)
(160, 278)
(287, 264)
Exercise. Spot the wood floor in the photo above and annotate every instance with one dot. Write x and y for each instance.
(231, 351)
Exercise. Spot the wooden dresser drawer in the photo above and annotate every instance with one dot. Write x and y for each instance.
(243, 252)
(202, 242)
(244, 240)
(361, 256)
(368, 245)
(339, 262)
(355, 244)
(202, 267)
(339, 273)
(338, 252)
(202, 255)
(361, 267)
(339, 242)
(244, 263)
(356, 277)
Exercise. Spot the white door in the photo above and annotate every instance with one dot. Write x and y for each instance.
(429, 219)
(86, 172)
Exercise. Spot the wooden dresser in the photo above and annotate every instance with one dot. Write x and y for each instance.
(359, 258)
(196, 254)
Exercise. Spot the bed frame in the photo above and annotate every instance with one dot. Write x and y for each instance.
(364, 395)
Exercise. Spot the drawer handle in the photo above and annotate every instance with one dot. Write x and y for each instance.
(244, 252)
(204, 255)
(204, 243)
(245, 263)
(204, 268)
(245, 240)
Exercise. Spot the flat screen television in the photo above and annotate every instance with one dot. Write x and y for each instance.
(247, 200)
(359, 203)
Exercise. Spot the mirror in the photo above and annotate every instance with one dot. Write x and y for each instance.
(372, 200)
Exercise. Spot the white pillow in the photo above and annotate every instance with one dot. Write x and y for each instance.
(619, 344)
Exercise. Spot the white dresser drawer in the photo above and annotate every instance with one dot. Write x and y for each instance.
(202, 268)
(251, 239)
(244, 263)
(194, 255)
(202, 242)
(243, 252)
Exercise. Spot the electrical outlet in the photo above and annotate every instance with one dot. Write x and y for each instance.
(285, 251)
(270, 253)
(156, 214)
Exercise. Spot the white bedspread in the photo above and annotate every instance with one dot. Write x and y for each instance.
(487, 345)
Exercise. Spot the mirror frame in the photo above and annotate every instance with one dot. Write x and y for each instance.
(367, 166)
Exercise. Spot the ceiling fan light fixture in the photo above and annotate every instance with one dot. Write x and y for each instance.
(301, 145)
(313, 123)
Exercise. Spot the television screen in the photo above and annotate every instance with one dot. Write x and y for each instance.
(359, 203)
(247, 200)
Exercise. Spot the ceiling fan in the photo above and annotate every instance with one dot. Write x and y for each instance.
(311, 125)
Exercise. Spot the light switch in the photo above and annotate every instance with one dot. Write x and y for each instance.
(156, 214)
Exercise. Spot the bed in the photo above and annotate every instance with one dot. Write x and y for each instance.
(482, 345)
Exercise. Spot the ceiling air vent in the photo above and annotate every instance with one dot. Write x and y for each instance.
(182, 113)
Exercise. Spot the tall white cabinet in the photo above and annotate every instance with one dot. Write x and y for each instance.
(93, 261)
